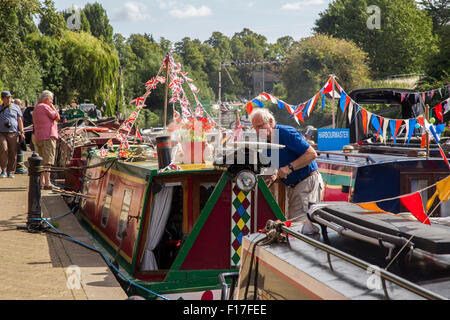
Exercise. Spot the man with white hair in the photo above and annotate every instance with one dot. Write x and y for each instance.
(45, 124)
(296, 166)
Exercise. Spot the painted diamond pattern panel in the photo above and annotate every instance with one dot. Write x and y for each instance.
(240, 222)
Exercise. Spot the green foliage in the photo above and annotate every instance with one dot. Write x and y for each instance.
(403, 43)
(99, 22)
(19, 67)
(52, 23)
(93, 68)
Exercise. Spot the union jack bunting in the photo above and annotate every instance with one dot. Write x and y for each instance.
(103, 152)
(186, 112)
(199, 111)
(138, 101)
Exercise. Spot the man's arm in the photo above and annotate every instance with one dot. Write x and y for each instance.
(309, 156)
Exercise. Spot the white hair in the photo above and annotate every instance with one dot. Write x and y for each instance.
(265, 114)
(46, 94)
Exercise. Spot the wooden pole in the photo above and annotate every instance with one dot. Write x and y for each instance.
(166, 93)
(220, 93)
(427, 137)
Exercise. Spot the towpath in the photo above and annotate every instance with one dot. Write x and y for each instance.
(41, 266)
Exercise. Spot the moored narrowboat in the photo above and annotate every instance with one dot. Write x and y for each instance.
(174, 231)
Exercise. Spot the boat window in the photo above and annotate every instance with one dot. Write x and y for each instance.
(445, 209)
(126, 203)
(206, 190)
(107, 205)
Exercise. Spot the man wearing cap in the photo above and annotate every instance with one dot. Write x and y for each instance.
(11, 127)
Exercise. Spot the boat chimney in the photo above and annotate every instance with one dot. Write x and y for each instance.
(164, 150)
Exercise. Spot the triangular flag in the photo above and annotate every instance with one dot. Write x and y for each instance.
(369, 118)
(249, 108)
(342, 101)
(376, 124)
(350, 111)
(305, 110)
(371, 206)
(364, 119)
(398, 124)
(258, 103)
(442, 190)
(281, 104)
(313, 104)
(406, 130)
(414, 205)
(439, 114)
(385, 127)
(323, 101)
(412, 126)
(329, 87)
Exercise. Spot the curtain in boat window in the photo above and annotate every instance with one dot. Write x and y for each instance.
(162, 203)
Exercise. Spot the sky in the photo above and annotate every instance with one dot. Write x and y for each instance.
(198, 19)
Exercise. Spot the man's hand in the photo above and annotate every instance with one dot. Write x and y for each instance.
(283, 172)
(270, 180)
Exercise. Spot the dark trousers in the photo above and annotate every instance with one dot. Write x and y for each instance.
(8, 151)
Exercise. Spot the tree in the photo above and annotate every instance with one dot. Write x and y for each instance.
(310, 63)
(439, 10)
(402, 44)
(51, 23)
(19, 67)
(48, 51)
(92, 67)
(99, 22)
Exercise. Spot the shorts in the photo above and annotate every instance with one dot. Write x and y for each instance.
(47, 150)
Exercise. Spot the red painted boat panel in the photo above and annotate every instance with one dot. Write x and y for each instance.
(211, 249)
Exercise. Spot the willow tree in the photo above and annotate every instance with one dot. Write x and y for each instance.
(93, 68)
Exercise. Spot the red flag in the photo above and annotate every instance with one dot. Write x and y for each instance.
(329, 87)
(364, 119)
(249, 108)
(414, 205)
(439, 114)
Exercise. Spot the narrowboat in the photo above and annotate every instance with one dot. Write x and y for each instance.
(364, 255)
(175, 229)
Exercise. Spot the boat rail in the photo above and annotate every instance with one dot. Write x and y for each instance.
(367, 157)
(384, 274)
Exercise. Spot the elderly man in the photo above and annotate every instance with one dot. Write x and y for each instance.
(45, 123)
(296, 166)
(11, 127)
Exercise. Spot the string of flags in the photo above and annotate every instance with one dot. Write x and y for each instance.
(413, 201)
(176, 80)
(352, 109)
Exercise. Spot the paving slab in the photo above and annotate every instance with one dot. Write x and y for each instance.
(42, 266)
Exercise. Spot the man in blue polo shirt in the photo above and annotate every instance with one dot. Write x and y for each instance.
(296, 166)
(11, 127)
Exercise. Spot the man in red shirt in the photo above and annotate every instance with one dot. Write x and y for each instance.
(45, 123)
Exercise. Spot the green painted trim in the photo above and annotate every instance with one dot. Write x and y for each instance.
(338, 180)
(143, 217)
(270, 200)
(209, 206)
(183, 281)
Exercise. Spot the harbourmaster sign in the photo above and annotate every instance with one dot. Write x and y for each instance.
(332, 139)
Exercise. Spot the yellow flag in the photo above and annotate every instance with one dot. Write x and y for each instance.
(442, 190)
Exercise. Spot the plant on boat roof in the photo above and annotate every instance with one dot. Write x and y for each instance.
(192, 129)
